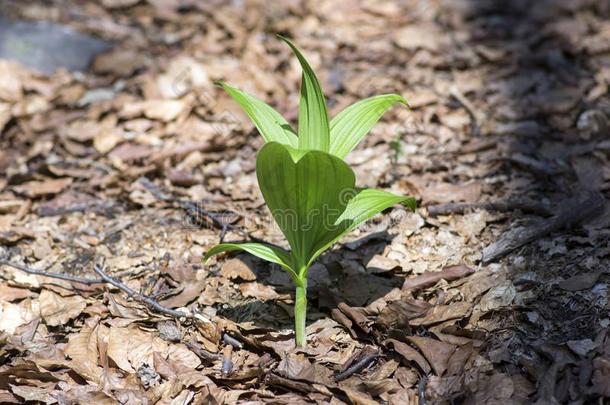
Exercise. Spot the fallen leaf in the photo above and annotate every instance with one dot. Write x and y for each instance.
(34, 189)
(82, 348)
(235, 268)
(58, 310)
(436, 352)
(13, 316)
(409, 354)
(580, 281)
(430, 278)
(258, 290)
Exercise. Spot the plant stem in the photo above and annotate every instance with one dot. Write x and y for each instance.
(300, 312)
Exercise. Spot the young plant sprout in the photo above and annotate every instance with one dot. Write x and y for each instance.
(309, 189)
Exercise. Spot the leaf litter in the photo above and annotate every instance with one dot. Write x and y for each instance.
(142, 162)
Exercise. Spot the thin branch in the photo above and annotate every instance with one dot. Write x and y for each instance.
(502, 206)
(195, 209)
(357, 366)
(105, 279)
(150, 302)
(59, 276)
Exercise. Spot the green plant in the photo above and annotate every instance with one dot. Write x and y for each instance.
(305, 182)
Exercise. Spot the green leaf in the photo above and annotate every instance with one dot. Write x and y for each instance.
(351, 125)
(314, 132)
(363, 206)
(271, 125)
(269, 253)
(306, 193)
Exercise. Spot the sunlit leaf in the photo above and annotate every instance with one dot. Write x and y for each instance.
(305, 193)
(266, 252)
(313, 129)
(352, 124)
(363, 206)
(271, 125)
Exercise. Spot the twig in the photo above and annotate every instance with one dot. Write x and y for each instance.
(59, 276)
(357, 366)
(573, 212)
(214, 217)
(459, 208)
(474, 117)
(99, 269)
(421, 390)
(230, 340)
(105, 279)
(227, 361)
(202, 353)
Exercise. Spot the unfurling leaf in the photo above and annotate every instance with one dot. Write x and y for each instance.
(314, 132)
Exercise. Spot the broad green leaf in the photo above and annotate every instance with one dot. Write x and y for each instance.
(269, 253)
(306, 194)
(352, 124)
(271, 125)
(314, 132)
(363, 206)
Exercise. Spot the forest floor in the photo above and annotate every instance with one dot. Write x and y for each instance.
(495, 291)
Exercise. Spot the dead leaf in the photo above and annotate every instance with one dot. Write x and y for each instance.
(409, 354)
(58, 310)
(428, 278)
(34, 189)
(235, 268)
(14, 315)
(82, 348)
(436, 352)
(258, 290)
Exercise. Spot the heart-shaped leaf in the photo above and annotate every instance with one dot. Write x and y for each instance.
(306, 191)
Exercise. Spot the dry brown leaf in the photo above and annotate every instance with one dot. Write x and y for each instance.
(34, 189)
(13, 316)
(258, 290)
(130, 347)
(442, 313)
(428, 278)
(436, 352)
(11, 88)
(58, 310)
(296, 367)
(409, 354)
(82, 348)
(9, 294)
(235, 268)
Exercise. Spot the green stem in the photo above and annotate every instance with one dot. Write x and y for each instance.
(300, 312)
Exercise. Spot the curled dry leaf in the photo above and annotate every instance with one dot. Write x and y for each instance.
(13, 316)
(130, 347)
(58, 310)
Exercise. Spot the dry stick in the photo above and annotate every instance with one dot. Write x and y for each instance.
(230, 340)
(357, 367)
(194, 208)
(227, 361)
(105, 279)
(573, 212)
(474, 117)
(421, 390)
(59, 276)
(99, 269)
(502, 206)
